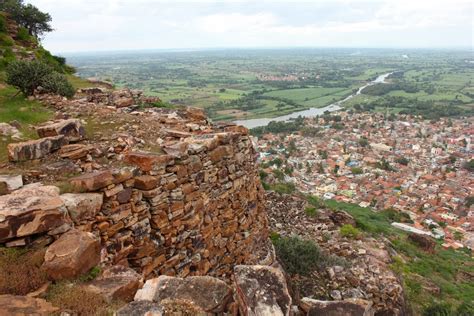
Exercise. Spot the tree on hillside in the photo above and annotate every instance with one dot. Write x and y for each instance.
(27, 15)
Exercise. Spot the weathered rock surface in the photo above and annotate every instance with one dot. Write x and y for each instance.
(31, 210)
(425, 242)
(92, 181)
(350, 307)
(73, 254)
(116, 283)
(262, 291)
(72, 129)
(82, 206)
(141, 308)
(11, 305)
(9, 130)
(9, 183)
(201, 294)
(35, 149)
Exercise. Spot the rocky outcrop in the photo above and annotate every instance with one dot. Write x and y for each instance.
(72, 129)
(35, 149)
(11, 305)
(424, 242)
(31, 210)
(262, 291)
(350, 307)
(73, 254)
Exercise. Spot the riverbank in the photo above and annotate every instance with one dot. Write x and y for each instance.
(310, 112)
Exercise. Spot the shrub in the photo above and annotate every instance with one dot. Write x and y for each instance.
(27, 76)
(357, 170)
(350, 231)
(20, 271)
(58, 84)
(303, 256)
(311, 211)
(3, 24)
(283, 188)
(6, 40)
(23, 35)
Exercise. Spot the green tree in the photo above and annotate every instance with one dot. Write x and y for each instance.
(27, 15)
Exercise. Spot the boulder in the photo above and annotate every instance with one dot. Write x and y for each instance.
(10, 130)
(141, 308)
(72, 129)
(75, 151)
(177, 150)
(73, 254)
(35, 149)
(195, 114)
(116, 283)
(31, 210)
(340, 218)
(92, 181)
(196, 294)
(349, 307)
(82, 206)
(9, 183)
(146, 182)
(424, 242)
(12, 305)
(262, 291)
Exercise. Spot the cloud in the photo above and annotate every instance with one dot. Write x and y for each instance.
(89, 25)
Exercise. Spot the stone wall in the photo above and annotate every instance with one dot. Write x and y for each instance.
(196, 209)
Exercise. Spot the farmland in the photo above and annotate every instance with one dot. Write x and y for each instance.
(240, 84)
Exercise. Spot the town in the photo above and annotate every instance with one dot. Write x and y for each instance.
(422, 169)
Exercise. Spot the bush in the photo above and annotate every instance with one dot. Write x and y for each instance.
(311, 211)
(20, 271)
(302, 256)
(283, 188)
(350, 231)
(23, 35)
(6, 40)
(357, 170)
(3, 24)
(57, 83)
(27, 76)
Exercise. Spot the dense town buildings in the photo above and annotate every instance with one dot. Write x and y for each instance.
(399, 162)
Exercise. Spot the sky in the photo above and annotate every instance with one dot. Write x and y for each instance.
(110, 25)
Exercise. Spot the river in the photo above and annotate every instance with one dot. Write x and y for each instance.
(311, 112)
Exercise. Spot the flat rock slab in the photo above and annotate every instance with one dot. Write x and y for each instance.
(350, 307)
(198, 294)
(147, 161)
(35, 149)
(92, 181)
(72, 129)
(72, 255)
(116, 283)
(141, 308)
(12, 305)
(31, 210)
(262, 291)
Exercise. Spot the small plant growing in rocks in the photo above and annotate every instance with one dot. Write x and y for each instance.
(350, 231)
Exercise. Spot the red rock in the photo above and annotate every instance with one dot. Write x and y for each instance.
(72, 129)
(31, 210)
(73, 254)
(146, 161)
(146, 182)
(92, 181)
(176, 150)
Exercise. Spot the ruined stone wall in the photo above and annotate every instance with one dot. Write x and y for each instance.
(196, 209)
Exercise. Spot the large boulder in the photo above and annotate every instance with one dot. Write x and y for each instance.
(197, 294)
(141, 308)
(262, 291)
(117, 283)
(72, 129)
(82, 206)
(73, 254)
(35, 149)
(12, 305)
(349, 307)
(31, 210)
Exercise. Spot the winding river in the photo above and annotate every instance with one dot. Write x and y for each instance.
(311, 112)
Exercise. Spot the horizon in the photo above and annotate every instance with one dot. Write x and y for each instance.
(85, 26)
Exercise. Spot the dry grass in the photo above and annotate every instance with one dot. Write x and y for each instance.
(75, 299)
(20, 271)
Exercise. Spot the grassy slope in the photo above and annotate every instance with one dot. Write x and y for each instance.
(444, 269)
